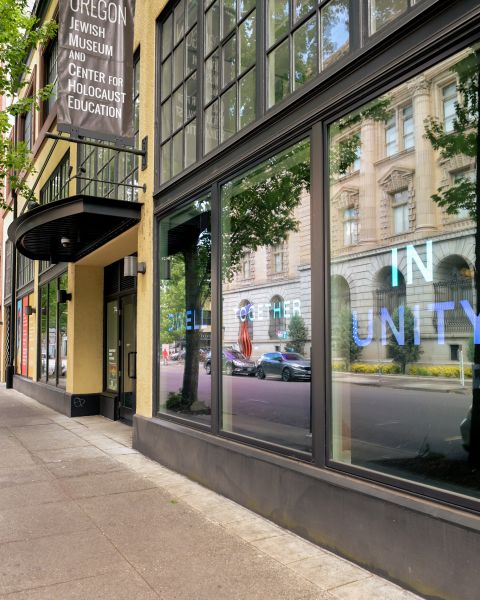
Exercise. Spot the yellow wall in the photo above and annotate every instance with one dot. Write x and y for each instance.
(85, 330)
(85, 310)
(146, 15)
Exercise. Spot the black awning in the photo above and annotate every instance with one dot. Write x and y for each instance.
(68, 229)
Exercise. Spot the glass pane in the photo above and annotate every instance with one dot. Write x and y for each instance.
(305, 48)
(246, 6)
(179, 20)
(212, 27)
(229, 16)
(166, 78)
(384, 11)
(167, 36)
(192, 50)
(62, 335)
(278, 19)
(404, 317)
(229, 60)
(266, 321)
(191, 97)
(185, 308)
(229, 113)
(190, 143)
(211, 127)
(178, 63)
(247, 98)
(303, 7)
(278, 74)
(43, 332)
(166, 162)
(166, 119)
(191, 12)
(334, 31)
(211, 76)
(177, 159)
(52, 332)
(177, 106)
(247, 37)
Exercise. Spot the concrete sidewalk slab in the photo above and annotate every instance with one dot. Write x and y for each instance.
(84, 516)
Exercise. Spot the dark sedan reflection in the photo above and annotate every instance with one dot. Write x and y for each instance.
(289, 366)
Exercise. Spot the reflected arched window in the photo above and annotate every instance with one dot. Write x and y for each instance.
(390, 292)
(454, 282)
(277, 324)
(340, 293)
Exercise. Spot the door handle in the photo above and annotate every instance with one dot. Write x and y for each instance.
(132, 372)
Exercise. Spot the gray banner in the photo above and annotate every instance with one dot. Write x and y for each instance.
(95, 69)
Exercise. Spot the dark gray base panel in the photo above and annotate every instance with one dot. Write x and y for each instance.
(429, 548)
(72, 405)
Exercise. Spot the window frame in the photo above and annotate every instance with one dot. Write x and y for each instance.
(52, 380)
(317, 109)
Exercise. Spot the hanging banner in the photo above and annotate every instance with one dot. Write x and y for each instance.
(95, 69)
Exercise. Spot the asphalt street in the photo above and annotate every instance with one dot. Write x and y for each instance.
(385, 422)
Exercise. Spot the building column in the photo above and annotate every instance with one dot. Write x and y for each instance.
(425, 158)
(368, 209)
(85, 330)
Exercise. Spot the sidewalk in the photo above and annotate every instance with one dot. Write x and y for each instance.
(83, 516)
(406, 382)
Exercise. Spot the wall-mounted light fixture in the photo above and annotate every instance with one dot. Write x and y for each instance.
(63, 296)
(30, 310)
(131, 266)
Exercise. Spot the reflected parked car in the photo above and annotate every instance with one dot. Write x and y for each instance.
(233, 363)
(289, 366)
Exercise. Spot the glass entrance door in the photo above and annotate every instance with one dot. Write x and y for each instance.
(128, 354)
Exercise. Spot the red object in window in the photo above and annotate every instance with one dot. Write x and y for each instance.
(244, 340)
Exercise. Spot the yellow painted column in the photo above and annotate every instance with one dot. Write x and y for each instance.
(85, 330)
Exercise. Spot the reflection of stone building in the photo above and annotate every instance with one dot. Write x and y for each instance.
(382, 215)
(271, 285)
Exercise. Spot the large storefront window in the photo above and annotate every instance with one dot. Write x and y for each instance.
(185, 309)
(53, 332)
(266, 320)
(404, 299)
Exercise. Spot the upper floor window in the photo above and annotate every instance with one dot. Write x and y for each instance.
(28, 129)
(51, 74)
(56, 186)
(230, 75)
(350, 226)
(25, 270)
(302, 40)
(408, 127)
(400, 131)
(449, 100)
(178, 90)
(277, 259)
(383, 12)
(104, 172)
(400, 211)
(391, 136)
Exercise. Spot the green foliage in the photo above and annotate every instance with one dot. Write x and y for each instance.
(297, 334)
(19, 33)
(439, 371)
(345, 151)
(408, 352)
(462, 140)
(258, 208)
(375, 368)
(343, 338)
(172, 301)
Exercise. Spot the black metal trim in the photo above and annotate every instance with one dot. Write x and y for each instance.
(127, 215)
